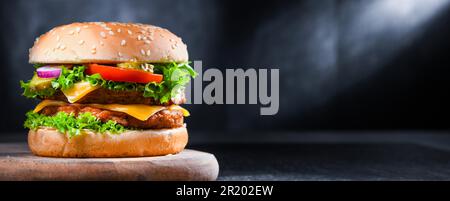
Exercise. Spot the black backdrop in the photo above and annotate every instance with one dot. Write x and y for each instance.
(347, 65)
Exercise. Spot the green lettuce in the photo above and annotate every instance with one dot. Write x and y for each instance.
(29, 92)
(71, 125)
(175, 77)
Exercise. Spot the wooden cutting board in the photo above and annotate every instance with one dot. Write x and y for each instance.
(17, 163)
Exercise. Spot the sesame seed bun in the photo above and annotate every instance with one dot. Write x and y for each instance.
(51, 143)
(107, 42)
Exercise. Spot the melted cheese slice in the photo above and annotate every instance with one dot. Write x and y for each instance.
(177, 107)
(141, 112)
(138, 111)
(78, 91)
(46, 103)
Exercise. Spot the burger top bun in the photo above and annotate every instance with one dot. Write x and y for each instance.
(107, 42)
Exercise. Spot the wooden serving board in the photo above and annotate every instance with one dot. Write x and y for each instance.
(17, 163)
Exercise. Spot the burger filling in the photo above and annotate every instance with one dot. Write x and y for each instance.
(105, 96)
(108, 98)
(162, 119)
(110, 118)
(161, 83)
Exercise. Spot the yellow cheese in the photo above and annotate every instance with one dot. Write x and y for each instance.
(46, 103)
(177, 107)
(138, 111)
(78, 91)
(141, 112)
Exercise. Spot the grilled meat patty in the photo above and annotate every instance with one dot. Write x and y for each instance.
(106, 96)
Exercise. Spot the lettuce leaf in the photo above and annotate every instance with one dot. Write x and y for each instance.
(69, 77)
(31, 93)
(71, 125)
(175, 77)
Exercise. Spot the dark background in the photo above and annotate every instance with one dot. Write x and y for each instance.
(344, 65)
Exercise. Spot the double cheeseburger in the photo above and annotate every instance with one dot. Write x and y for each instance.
(108, 90)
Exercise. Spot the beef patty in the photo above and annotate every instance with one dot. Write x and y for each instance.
(162, 119)
(106, 96)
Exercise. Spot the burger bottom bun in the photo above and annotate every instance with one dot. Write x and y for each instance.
(50, 142)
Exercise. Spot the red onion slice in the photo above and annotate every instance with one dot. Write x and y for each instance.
(48, 72)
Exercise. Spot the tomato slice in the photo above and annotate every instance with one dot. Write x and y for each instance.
(123, 74)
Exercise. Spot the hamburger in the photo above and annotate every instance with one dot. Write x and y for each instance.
(107, 90)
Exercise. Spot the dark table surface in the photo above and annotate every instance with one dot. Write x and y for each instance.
(328, 156)
(330, 162)
(331, 156)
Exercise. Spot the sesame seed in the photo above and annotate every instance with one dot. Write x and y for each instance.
(94, 46)
(58, 45)
(120, 54)
(81, 42)
(62, 47)
(93, 51)
(171, 40)
(71, 32)
(147, 41)
(139, 37)
(85, 26)
(129, 32)
(142, 52)
(123, 42)
(102, 34)
(78, 29)
(173, 47)
(108, 29)
(118, 30)
(101, 43)
(111, 33)
(58, 38)
(148, 52)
